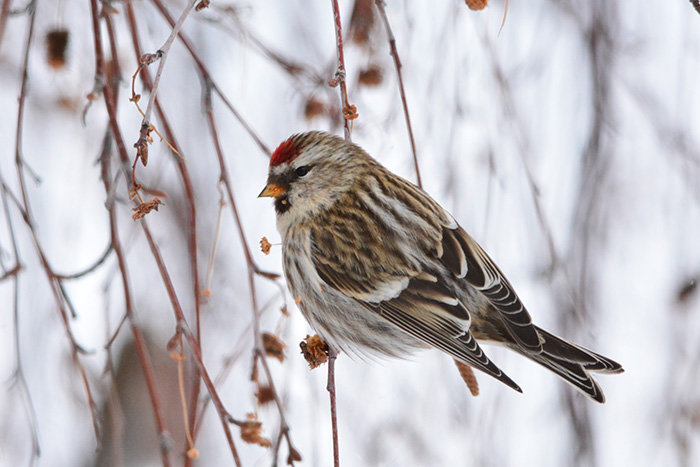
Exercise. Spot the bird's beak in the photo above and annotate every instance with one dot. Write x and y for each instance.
(273, 190)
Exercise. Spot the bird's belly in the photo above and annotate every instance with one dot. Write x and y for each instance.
(341, 321)
(350, 327)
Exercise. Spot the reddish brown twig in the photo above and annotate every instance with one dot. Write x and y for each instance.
(177, 310)
(62, 302)
(183, 328)
(161, 54)
(397, 64)
(332, 355)
(4, 13)
(348, 110)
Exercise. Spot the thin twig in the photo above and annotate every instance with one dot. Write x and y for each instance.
(215, 241)
(184, 328)
(397, 64)
(349, 111)
(19, 371)
(208, 86)
(91, 268)
(332, 355)
(177, 310)
(162, 55)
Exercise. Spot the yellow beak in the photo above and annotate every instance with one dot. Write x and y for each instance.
(273, 190)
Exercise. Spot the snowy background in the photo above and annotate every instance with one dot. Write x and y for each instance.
(568, 145)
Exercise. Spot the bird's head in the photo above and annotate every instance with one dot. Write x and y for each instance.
(309, 172)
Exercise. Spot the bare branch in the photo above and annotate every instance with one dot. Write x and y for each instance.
(348, 110)
(397, 64)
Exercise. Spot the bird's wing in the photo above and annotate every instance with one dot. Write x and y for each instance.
(393, 286)
(466, 259)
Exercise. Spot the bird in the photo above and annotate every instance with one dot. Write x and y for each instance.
(379, 268)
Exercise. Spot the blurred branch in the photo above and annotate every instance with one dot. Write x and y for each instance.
(510, 111)
(330, 387)
(4, 14)
(293, 68)
(696, 5)
(587, 232)
(397, 64)
(91, 268)
(18, 372)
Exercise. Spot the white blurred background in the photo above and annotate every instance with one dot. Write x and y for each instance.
(568, 145)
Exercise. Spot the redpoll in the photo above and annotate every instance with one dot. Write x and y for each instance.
(381, 268)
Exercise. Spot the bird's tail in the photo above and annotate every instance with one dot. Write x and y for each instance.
(572, 363)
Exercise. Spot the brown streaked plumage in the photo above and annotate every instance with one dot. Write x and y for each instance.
(381, 268)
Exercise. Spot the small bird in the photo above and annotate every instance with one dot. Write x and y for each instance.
(379, 267)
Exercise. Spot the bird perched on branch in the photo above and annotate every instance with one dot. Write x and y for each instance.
(381, 268)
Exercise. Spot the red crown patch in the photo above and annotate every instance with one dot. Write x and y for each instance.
(285, 152)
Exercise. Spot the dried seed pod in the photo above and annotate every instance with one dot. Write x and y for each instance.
(476, 4)
(371, 76)
(56, 45)
(313, 108)
(361, 21)
(469, 377)
(251, 432)
(265, 246)
(144, 208)
(264, 395)
(273, 345)
(315, 351)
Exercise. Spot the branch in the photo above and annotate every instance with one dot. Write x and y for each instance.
(330, 386)
(4, 14)
(696, 5)
(162, 55)
(397, 64)
(349, 111)
(19, 371)
(91, 268)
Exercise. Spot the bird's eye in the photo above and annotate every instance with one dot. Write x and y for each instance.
(301, 171)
